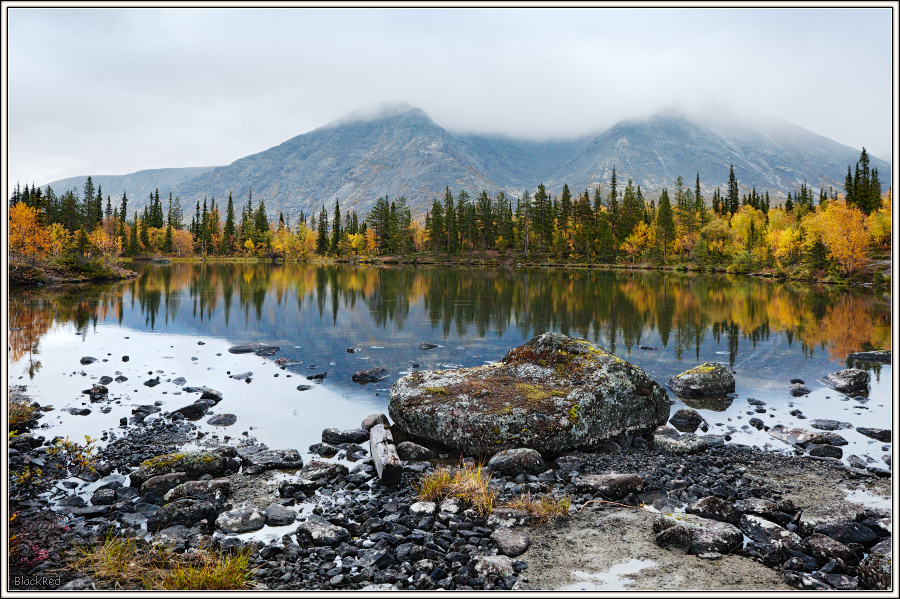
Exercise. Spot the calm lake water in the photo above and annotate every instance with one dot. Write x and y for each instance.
(179, 320)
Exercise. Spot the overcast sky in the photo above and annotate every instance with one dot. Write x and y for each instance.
(113, 91)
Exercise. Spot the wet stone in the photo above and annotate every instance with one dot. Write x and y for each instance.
(686, 420)
(829, 425)
(222, 420)
(879, 434)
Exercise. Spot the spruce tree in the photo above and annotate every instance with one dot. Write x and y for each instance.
(336, 227)
(665, 224)
(322, 239)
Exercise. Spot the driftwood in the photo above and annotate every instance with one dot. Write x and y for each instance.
(384, 455)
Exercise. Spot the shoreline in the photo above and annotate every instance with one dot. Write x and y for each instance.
(392, 540)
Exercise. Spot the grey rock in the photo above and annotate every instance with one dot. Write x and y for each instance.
(515, 461)
(279, 515)
(245, 518)
(510, 542)
(611, 486)
(847, 532)
(193, 463)
(840, 512)
(256, 460)
(715, 508)
(679, 445)
(552, 394)
(79, 584)
(214, 491)
(413, 451)
(492, 567)
(875, 571)
(825, 548)
(370, 375)
(222, 420)
(373, 419)
(696, 535)
(707, 379)
(316, 530)
(163, 483)
(334, 436)
(186, 512)
(316, 470)
(850, 380)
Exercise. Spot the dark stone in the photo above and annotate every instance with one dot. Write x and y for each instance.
(686, 420)
(881, 356)
(715, 508)
(334, 436)
(798, 390)
(151, 382)
(413, 451)
(79, 411)
(825, 548)
(515, 461)
(222, 420)
(847, 532)
(323, 449)
(260, 349)
(829, 425)
(370, 375)
(826, 451)
(186, 512)
(256, 460)
(319, 376)
(803, 581)
(304, 387)
(88, 360)
(427, 345)
(879, 434)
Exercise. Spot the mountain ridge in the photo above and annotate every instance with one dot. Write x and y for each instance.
(398, 150)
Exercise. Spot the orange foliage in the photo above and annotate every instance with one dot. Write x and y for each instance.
(27, 238)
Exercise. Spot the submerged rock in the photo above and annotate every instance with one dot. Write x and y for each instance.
(370, 375)
(552, 394)
(881, 356)
(260, 349)
(707, 379)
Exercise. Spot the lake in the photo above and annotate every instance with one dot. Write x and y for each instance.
(179, 320)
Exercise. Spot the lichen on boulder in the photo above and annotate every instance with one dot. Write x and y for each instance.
(552, 394)
(707, 379)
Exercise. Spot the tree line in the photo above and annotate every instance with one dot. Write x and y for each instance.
(814, 230)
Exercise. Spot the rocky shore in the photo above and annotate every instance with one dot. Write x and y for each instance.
(687, 510)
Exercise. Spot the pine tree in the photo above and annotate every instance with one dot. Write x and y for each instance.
(485, 218)
(87, 205)
(451, 223)
(229, 232)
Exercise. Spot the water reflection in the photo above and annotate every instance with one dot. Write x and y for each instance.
(620, 310)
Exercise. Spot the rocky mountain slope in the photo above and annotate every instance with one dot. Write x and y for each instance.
(403, 152)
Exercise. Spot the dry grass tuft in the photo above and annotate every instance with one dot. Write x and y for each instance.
(545, 508)
(120, 561)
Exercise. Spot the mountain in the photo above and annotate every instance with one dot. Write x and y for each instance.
(401, 151)
(139, 185)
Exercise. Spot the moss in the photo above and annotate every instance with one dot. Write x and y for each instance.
(436, 391)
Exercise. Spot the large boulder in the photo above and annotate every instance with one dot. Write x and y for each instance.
(850, 380)
(552, 394)
(707, 379)
(696, 535)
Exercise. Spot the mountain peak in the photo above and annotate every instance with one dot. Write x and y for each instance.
(378, 112)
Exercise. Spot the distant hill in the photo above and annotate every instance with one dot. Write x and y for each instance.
(139, 185)
(401, 151)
